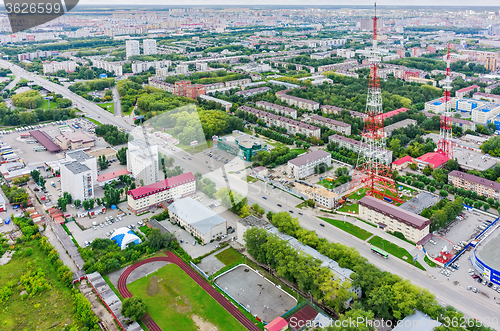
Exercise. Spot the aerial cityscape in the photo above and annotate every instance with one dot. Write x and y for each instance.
(250, 167)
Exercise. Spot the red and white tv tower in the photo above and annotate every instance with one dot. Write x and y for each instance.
(372, 172)
(445, 146)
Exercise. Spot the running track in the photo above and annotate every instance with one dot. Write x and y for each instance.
(171, 257)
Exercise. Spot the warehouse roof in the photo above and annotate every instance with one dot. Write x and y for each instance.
(44, 139)
(197, 215)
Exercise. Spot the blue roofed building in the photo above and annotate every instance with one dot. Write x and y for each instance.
(484, 113)
(467, 105)
(123, 237)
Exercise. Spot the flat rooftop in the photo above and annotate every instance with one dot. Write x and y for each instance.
(488, 250)
(419, 202)
(470, 160)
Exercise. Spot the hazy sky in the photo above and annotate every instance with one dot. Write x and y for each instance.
(475, 3)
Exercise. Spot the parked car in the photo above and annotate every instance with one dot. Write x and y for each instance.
(279, 205)
(321, 224)
(300, 213)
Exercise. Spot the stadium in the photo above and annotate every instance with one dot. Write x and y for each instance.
(486, 259)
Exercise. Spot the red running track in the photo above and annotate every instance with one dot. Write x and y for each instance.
(171, 257)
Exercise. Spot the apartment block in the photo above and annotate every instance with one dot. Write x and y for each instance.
(238, 82)
(299, 102)
(305, 164)
(184, 88)
(334, 125)
(155, 82)
(77, 180)
(481, 186)
(114, 67)
(251, 92)
(282, 110)
(68, 66)
(143, 198)
(142, 161)
(392, 218)
(355, 145)
(140, 66)
(149, 47)
(292, 126)
(132, 48)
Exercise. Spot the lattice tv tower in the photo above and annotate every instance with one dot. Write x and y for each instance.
(371, 171)
(445, 145)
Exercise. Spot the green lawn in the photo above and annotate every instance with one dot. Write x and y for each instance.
(358, 195)
(174, 299)
(45, 104)
(229, 256)
(395, 250)
(429, 262)
(48, 310)
(300, 150)
(346, 208)
(94, 121)
(326, 183)
(349, 228)
(111, 107)
(251, 179)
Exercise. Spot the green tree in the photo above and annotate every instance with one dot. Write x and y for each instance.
(62, 203)
(42, 182)
(103, 162)
(121, 155)
(35, 174)
(443, 193)
(133, 308)
(77, 203)
(67, 196)
(257, 210)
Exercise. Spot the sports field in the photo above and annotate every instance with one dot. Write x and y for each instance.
(175, 301)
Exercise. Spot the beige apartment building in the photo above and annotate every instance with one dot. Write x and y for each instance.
(481, 186)
(392, 218)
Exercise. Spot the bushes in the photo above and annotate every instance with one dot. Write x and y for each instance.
(112, 135)
(29, 99)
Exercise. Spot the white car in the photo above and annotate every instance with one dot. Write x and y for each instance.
(95, 227)
(102, 225)
(108, 234)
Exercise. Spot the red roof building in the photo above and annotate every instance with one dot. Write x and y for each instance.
(143, 198)
(394, 112)
(279, 324)
(44, 139)
(110, 176)
(434, 160)
(301, 318)
(402, 163)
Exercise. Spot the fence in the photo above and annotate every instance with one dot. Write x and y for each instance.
(201, 272)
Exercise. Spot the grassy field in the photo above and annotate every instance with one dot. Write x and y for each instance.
(327, 184)
(300, 150)
(94, 121)
(358, 195)
(48, 310)
(251, 179)
(104, 106)
(395, 250)
(429, 262)
(349, 228)
(45, 104)
(174, 299)
(349, 208)
(229, 256)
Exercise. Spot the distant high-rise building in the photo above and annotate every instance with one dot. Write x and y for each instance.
(149, 46)
(367, 24)
(491, 63)
(132, 48)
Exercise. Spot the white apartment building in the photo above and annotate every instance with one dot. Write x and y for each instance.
(197, 219)
(140, 66)
(142, 161)
(282, 110)
(68, 66)
(334, 125)
(149, 47)
(114, 67)
(155, 82)
(182, 69)
(305, 164)
(77, 180)
(82, 157)
(482, 114)
(201, 66)
(132, 48)
(299, 102)
(392, 218)
(143, 198)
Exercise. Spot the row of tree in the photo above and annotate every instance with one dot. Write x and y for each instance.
(18, 117)
(112, 135)
(277, 156)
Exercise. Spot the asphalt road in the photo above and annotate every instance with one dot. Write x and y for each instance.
(84, 105)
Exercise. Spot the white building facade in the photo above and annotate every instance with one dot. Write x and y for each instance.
(149, 47)
(132, 48)
(142, 162)
(77, 180)
(305, 165)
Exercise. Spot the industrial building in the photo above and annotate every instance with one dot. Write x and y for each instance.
(143, 198)
(392, 218)
(246, 223)
(197, 219)
(75, 140)
(305, 164)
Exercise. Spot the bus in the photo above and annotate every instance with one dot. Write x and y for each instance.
(31, 141)
(39, 149)
(380, 252)
(25, 135)
(4, 150)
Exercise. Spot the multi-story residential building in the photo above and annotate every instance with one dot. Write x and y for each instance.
(226, 104)
(201, 222)
(143, 198)
(438, 106)
(250, 92)
(84, 158)
(491, 87)
(334, 125)
(36, 55)
(464, 124)
(282, 110)
(182, 69)
(392, 218)
(132, 48)
(114, 67)
(355, 146)
(299, 102)
(201, 66)
(184, 88)
(140, 66)
(327, 109)
(466, 91)
(149, 47)
(155, 82)
(485, 112)
(320, 56)
(238, 82)
(481, 186)
(487, 96)
(142, 161)
(292, 126)
(305, 164)
(77, 180)
(68, 66)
